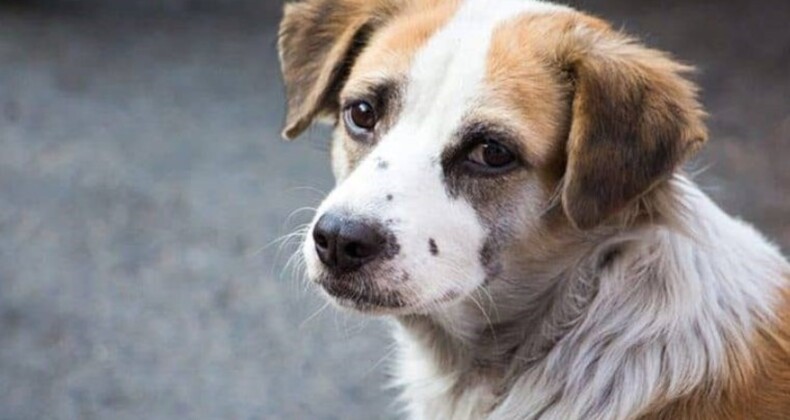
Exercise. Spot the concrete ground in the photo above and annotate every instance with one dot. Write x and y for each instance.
(141, 178)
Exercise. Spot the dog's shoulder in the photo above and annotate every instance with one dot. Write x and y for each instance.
(760, 390)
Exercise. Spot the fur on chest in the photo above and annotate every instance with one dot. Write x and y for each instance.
(432, 391)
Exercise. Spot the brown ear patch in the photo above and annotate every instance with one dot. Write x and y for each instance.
(635, 119)
(318, 42)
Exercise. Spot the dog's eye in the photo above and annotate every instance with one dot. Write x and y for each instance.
(491, 155)
(360, 117)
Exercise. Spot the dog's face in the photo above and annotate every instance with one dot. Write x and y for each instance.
(465, 131)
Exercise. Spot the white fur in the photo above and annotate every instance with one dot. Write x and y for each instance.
(428, 391)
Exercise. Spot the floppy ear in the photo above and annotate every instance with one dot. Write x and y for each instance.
(635, 119)
(318, 43)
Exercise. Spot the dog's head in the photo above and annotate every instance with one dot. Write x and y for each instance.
(464, 130)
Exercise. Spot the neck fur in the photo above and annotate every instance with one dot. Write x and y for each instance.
(661, 308)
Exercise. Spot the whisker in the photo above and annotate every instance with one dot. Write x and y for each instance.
(295, 241)
(299, 211)
(306, 188)
(314, 315)
(487, 318)
(393, 347)
(284, 238)
(484, 290)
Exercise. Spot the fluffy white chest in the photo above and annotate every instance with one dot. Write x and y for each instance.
(430, 391)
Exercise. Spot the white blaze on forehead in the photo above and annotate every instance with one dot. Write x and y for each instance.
(448, 71)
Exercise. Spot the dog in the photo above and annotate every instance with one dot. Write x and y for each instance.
(510, 193)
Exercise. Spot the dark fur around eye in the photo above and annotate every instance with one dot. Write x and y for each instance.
(455, 159)
(382, 98)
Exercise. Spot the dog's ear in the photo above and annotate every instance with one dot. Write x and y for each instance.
(318, 43)
(635, 118)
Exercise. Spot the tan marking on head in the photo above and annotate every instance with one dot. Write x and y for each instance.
(609, 116)
(529, 88)
(523, 87)
(391, 50)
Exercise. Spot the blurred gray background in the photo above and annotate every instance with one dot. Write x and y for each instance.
(142, 176)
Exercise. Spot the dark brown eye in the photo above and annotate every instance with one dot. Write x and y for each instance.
(360, 117)
(492, 155)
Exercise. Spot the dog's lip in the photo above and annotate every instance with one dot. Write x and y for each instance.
(347, 294)
(339, 289)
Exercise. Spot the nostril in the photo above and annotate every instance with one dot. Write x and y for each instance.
(358, 243)
(321, 240)
(325, 235)
(359, 250)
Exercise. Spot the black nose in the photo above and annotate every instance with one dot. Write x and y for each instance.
(344, 244)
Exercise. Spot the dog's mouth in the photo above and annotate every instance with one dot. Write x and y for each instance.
(365, 297)
(362, 296)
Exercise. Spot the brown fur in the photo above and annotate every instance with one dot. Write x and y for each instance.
(393, 46)
(586, 95)
(635, 120)
(757, 389)
(526, 89)
(318, 41)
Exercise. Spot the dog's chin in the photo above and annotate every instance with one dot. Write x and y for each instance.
(370, 300)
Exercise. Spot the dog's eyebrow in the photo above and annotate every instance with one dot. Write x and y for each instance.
(476, 129)
(471, 134)
(380, 93)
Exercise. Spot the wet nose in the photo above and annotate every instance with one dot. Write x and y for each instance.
(344, 244)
